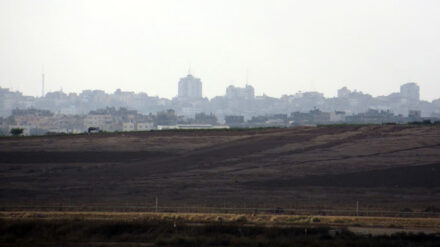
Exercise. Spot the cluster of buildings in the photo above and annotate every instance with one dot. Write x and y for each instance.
(317, 117)
(40, 122)
(239, 106)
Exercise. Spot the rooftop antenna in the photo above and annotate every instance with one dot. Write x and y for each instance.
(42, 81)
(189, 69)
(247, 76)
(312, 82)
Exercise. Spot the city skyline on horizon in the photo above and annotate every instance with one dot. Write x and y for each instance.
(189, 73)
(281, 47)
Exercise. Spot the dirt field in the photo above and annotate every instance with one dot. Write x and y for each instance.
(391, 168)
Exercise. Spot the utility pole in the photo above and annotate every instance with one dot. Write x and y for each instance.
(357, 208)
(42, 83)
(157, 204)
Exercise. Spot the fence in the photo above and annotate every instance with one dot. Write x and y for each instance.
(222, 210)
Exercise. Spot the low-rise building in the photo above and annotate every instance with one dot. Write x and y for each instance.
(314, 116)
(234, 120)
(373, 116)
(128, 126)
(144, 126)
(337, 116)
(414, 115)
(192, 126)
(102, 121)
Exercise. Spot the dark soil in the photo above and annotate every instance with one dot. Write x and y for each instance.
(390, 167)
(403, 177)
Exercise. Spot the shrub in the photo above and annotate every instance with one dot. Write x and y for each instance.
(432, 209)
(406, 210)
(240, 218)
(16, 131)
(315, 220)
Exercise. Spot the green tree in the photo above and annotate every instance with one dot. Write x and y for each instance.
(16, 131)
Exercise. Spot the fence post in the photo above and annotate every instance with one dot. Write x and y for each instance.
(357, 208)
(157, 203)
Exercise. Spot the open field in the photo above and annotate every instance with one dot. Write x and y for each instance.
(431, 225)
(386, 168)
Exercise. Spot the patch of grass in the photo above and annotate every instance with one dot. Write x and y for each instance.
(431, 223)
(298, 219)
(240, 218)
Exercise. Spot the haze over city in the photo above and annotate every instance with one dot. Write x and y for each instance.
(219, 123)
(278, 47)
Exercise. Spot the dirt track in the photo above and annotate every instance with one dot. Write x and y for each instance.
(297, 167)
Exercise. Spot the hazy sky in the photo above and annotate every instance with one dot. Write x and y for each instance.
(285, 46)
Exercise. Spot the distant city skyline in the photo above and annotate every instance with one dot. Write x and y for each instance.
(221, 93)
(241, 90)
(278, 47)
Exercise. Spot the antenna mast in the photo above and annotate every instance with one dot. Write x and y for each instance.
(42, 82)
(247, 75)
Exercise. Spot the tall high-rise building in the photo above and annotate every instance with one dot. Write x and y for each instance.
(343, 92)
(240, 93)
(190, 87)
(410, 91)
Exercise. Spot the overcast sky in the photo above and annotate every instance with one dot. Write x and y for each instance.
(282, 47)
